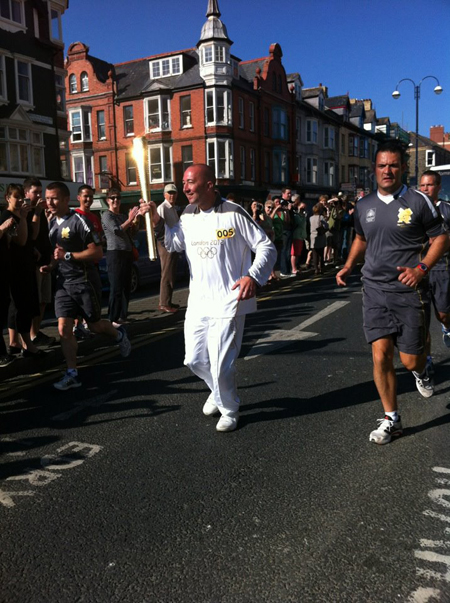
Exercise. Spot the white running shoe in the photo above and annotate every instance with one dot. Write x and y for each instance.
(425, 385)
(387, 429)
(227, 422)
(67, 382)
(209, 408)
(445, 337)
(124, 343)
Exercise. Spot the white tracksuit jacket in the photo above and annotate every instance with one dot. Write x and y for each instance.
(218, 245)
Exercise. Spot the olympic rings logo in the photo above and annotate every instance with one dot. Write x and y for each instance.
(206, 252)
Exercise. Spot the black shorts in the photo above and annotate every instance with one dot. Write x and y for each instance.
(440, 290)
(79, 299)
(404, 316)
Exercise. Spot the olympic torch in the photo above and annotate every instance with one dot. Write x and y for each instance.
(140, 156)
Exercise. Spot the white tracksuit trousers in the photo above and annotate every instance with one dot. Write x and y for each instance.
(212, 348)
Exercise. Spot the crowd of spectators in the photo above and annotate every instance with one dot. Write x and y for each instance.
(304, 237)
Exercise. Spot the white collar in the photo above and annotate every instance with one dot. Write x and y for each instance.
(388, 198)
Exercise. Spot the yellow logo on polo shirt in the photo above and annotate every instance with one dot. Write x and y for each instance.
(65, 233)
(404, 216)
(225, 233)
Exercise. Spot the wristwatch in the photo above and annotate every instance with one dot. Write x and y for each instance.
(67, 256)
(423, 267)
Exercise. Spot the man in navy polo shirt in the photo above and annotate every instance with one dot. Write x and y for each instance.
(76, 248)
(392, 225)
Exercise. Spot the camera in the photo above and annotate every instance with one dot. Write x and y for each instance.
(284, 203)
(259, 206)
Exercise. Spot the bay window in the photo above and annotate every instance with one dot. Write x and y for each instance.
(218, 106)
(219, 153)
(160, 163)
(157, 111)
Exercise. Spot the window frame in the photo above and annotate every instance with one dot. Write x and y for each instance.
(329, 138)
(84, 112)
(163, 148)
(130, 168)
(11, 24)
(59, 39)
(101, 126)
(227, 145)
(277, 163)
(84, 82)
(88, 158)
(161, 99)
(186, 164)
(23, 144)
(241, 113)
(127, 120)
(251, 114)
(25, 103)
(329, 173)
(185, 114)
(73, 84)
(175, 67)
(312, 131)
(312, 169)
(3, 81)
(214, 107)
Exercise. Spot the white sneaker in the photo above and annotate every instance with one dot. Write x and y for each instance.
(387, 429)
(445, 337)
(67, 382)
(124, 343)
(209, 408)
(425, 385)
(227, 423)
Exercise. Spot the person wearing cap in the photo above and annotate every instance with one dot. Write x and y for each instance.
(168, 259)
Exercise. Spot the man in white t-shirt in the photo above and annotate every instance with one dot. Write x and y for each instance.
(168, 259)
(218, 237)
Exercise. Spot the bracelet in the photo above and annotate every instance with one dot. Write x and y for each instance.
(423, 267)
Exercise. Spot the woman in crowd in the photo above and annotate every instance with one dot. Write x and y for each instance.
(21, 274)
(119, 230)
(318, 228)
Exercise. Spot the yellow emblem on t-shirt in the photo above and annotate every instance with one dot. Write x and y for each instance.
(404, 216)
(65, 233)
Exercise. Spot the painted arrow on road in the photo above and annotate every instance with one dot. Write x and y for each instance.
(274, 340)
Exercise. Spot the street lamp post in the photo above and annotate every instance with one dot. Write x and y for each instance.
(396, 94)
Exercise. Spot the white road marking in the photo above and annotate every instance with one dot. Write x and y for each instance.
(96, 401)
(424, 595)
(279, 338)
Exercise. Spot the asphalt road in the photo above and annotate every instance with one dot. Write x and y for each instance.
(123, 492)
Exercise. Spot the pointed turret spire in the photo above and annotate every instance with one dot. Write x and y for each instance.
(213, 9)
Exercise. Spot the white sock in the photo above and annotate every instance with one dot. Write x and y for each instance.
(392, 415)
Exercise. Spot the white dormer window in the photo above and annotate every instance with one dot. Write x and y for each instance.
(157, 114)
(166, 67)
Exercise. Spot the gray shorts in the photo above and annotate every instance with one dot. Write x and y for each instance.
(440, 290)
(78, 299)
(403, 316)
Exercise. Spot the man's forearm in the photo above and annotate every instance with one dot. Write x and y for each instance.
(357, 251)
(438, 246)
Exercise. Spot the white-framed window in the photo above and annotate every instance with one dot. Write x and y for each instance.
(215, 52)
(328, 173)
(251, 115)
(157, 113)
(130, 166)
(55, 24)
(185, 111)
(252, 165)
(83, 168)
(84, 81)
(160, 163)
(186, 157)
(73, 87)
(21, 151)
(219, 54)
(36, 23)
(128, 120)
(12, 13)
(166, 67)
(80, 125)
(328, 137)
(24, 83)
(312, 131)
(430, 158)
(60, 92)
(279, 123)
(101, 125)
(241, 112)
(242, 162)
(208, 54)
(280, 166)
(311, 170)
(219, 156)
(218, 106)
(103, 168)
(3, 89)
(353, 174)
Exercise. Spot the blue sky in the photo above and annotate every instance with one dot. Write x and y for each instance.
(359, 47)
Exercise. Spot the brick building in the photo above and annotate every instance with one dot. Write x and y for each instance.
(32, 89)
(200, 105)
(440, 137)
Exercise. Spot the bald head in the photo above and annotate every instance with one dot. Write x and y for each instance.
(199, 185)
